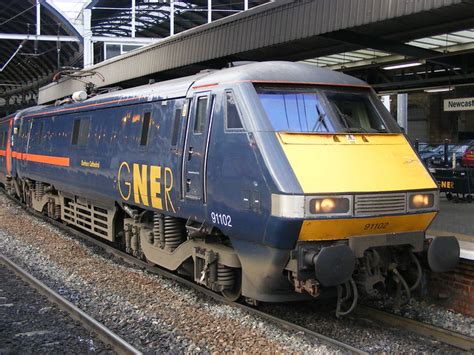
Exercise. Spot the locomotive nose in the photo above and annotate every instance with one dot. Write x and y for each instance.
(332, 265)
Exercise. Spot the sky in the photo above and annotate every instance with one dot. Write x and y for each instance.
(70, 8)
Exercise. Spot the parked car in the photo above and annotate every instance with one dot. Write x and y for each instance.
(433, 151)
(458, 150)
(422, 146)
(468, 157)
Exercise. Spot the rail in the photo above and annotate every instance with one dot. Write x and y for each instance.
(443, 335)
(106, 335)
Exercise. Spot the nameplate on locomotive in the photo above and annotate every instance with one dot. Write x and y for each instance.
(90, 164)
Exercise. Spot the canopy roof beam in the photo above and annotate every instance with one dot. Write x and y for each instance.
(51, 38)
(389, 46)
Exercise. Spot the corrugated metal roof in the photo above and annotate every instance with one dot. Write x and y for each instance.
(271, 30)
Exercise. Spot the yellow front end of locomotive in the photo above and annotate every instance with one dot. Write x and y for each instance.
(358, 165)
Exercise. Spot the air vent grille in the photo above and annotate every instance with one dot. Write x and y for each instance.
(377, 204)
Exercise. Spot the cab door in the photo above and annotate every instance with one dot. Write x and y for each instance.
(29, 126)
(196, 147)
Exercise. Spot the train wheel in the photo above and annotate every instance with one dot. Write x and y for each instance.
(449, 196)
(469, 198)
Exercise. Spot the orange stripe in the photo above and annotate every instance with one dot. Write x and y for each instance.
(3, 153)
(45, 159)
(86, 106)
(205, 86)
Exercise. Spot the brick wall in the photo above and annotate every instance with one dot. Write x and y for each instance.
(454, 290)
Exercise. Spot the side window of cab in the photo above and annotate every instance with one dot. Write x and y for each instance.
(233, 118)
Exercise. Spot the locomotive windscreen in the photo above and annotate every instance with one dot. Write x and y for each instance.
(323, 110)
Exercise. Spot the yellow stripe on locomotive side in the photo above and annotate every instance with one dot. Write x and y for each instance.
(333, 229)
(335, 163)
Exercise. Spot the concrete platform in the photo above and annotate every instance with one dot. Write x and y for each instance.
(456, 219)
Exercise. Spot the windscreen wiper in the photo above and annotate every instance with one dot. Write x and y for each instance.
(319, 121)
(346, 119)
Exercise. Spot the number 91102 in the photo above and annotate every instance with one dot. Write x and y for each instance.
(222, 219)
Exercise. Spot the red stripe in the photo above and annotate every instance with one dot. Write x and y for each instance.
(305, 83)
(205, 86)
(44, 159)
(284, 82)
(3, 153)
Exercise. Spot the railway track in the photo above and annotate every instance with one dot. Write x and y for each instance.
(117, 344)
(445, 336)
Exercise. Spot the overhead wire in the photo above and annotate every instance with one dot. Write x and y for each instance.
(19, 14)
(12, 56)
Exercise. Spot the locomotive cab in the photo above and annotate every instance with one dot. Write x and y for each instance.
(362, 195)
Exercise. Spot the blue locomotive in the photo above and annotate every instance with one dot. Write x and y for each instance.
(273, 181)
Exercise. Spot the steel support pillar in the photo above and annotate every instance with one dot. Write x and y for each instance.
(134, 5)
(402, 111)
(88, 45)
(171, 17)
(386, 102)
(38, 18)
(209, 11)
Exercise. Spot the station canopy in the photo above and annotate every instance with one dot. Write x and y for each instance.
(443, 46)
(30, 57)
(394, 45)
(113, 17)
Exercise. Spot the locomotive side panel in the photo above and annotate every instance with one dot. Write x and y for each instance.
(147, 166)
(85, 153)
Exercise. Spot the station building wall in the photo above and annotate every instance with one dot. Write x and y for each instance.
(428, 122)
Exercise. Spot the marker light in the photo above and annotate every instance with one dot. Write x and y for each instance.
(329, 205)
(420, 201)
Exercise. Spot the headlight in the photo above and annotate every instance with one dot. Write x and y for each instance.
(298, 206)
(330, 205)
(422, 201)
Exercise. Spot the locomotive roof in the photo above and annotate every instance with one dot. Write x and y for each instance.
(267, 72)
(279, 71)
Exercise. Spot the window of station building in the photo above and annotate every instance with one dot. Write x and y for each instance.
(115, 49)
(233, 120)
(201, 111)
(145, 128)
(80, 131)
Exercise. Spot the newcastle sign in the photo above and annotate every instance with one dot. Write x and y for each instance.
(464, 104)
